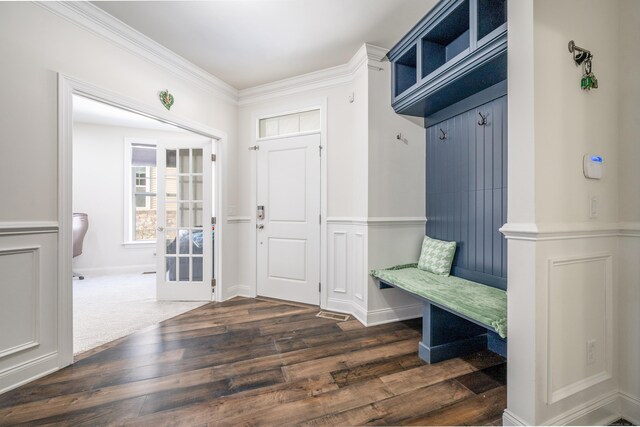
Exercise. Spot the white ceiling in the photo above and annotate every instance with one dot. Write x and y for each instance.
(93, 112)
(250, 42)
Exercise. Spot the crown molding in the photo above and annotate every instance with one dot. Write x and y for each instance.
(368, 54)
(95, 20)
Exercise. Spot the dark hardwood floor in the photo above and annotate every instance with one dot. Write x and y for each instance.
(262, 362)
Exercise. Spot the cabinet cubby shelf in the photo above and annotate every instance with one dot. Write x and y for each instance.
(457, 49)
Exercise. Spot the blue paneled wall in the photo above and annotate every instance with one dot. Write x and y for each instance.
(467, 190)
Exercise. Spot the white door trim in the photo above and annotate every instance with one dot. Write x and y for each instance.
(67, 87)
(290, 108)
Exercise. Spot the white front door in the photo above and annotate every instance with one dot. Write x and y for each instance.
(184, 244)
(288, 237)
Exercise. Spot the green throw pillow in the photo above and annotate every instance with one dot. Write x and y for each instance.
(436, 256)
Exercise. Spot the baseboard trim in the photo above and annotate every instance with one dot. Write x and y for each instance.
(511, 419)
(346, 307)
(237, 291)
(28, 371)
(393, 314)
(630, 408)
(602, 410)
(375, 317)
(127, 269)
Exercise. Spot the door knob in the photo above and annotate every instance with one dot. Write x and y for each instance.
(160, 228)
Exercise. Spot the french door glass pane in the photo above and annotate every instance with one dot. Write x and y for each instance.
(183, 267)
(197, 242)
(183, 189)
(171, 269)
(197, 215)
(171, 161)
(197, 269)
(170, 241)
(197, 187)
(183, 239)
(197, 160)
(183, 160)
(184, 215)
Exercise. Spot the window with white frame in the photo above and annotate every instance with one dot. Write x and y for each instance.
(289, 124)
(141, 191)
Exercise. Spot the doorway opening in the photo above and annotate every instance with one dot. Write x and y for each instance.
(144, 198)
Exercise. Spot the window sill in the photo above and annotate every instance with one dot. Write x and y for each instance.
(139, 245)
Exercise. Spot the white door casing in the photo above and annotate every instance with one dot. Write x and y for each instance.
(288, 238)
(184, 242)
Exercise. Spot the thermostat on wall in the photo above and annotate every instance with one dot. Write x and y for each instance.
(593, 166)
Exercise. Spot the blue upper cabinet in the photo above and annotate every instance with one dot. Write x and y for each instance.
(458, 49)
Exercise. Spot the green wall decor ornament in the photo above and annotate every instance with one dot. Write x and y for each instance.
(589, 80)
(166, 98)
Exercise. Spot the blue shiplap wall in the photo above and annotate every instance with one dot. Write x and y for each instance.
(467, 190)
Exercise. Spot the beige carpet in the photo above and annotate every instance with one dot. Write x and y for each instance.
(110, 307)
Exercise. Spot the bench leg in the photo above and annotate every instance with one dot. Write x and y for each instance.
(445, 335)
(496, 344)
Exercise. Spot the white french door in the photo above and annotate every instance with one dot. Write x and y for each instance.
(288, 235)
(184, 244)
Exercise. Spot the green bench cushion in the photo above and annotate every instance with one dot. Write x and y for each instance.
(482, 303)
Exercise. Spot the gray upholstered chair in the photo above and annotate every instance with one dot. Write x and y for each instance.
(79, 228)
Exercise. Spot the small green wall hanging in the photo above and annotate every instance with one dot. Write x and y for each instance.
(166, 98)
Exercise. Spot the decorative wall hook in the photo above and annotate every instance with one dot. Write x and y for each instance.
(443, 135)
(579, 54)
(401, 138)
(483, 119)
(584, 57)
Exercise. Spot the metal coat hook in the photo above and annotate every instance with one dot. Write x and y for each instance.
(579, 54)
(582, 56)
(401, 138)
(483, 119)
(443, 136)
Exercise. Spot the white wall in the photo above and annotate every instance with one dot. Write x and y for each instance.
(36, 45)
(570, 122)
(567, 271)
(396, 188)
(98, 190)
(629, 179)
(375, 186)
(344, 150)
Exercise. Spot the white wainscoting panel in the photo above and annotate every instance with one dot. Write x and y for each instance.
(355, 246)
(29, 315)
(580, 311)
(338, 262)
(347, 267)
(19, 299)
(360, 266)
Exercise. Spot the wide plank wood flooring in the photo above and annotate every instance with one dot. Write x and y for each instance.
(263, 362)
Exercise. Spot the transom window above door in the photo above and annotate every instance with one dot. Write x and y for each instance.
(289, 124)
